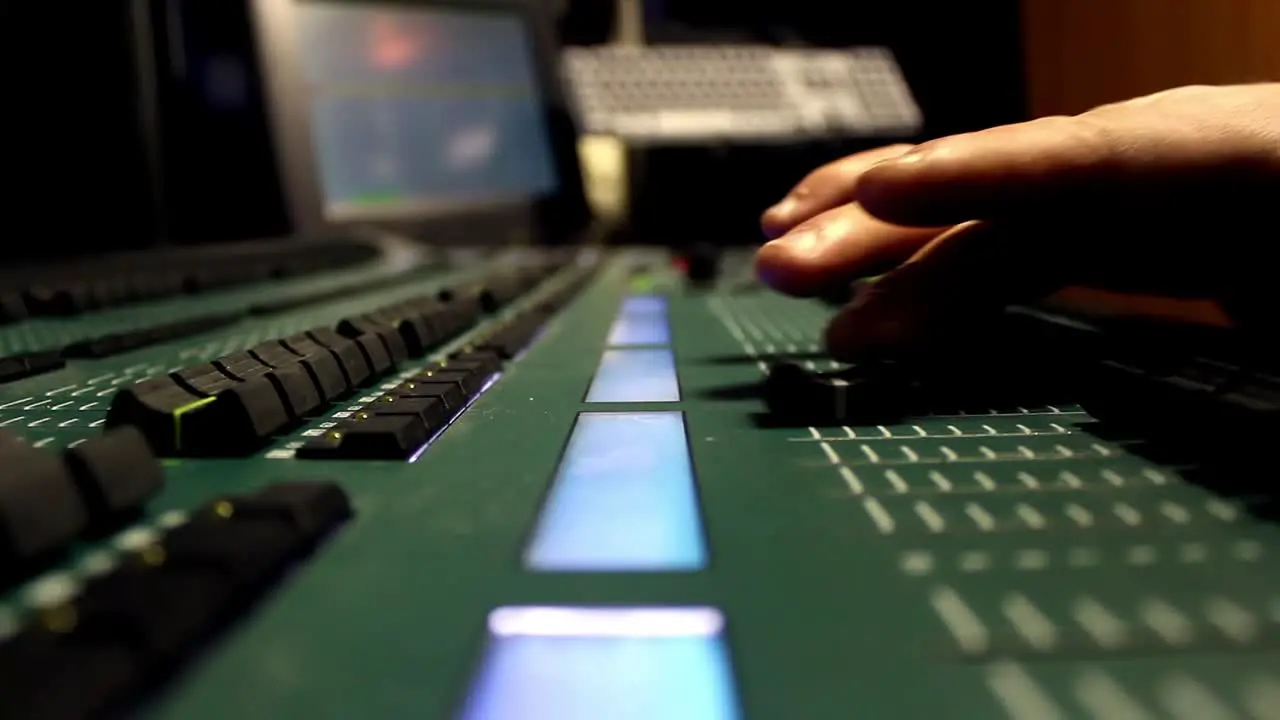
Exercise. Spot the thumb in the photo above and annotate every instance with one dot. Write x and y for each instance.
(1195, 142)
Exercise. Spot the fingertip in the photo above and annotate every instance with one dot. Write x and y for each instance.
(778, 219)
(782, 264)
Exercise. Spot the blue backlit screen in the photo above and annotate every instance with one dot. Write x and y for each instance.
(604, 664)
(418, 110)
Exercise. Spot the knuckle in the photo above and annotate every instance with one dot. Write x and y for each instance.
(838, 175)
(1090, 134)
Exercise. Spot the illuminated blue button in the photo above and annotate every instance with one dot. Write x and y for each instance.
(644, 305)
(641, 321)
(639, 329)
(635, 375)
(615, 663)
(623, 500)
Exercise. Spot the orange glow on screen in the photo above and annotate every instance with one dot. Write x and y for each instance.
(392, 46)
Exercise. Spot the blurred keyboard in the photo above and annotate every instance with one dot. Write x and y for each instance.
(693, 93)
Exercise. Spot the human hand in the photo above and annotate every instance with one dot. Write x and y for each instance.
(1162, 196)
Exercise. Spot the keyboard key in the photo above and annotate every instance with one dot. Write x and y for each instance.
(296, 387)
(236, 421)
(453, 317)
(410, 319)
(275, 354)
(353, 362)
(116, 474)
(136, 623)
(354, 357)
(483, 361)
(375, 354)
(433, 412)
(245, 553)
(50, 676)
(151, 406)
(41, 511)
(370, 333)
(469, 381)
(176, 421)
(507, 341)
(418, 335)
(29, 364)
(241, 366)
(326, 374)
(154, 609)
(858, 395)
(447, 392)
(378, 437)
(205, 380)
(311, 508)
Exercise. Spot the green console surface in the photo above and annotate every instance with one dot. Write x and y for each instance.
(995, 562)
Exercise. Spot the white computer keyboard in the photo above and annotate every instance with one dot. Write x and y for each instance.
(738, 92)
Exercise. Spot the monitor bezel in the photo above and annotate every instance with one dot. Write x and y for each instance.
(554, 217)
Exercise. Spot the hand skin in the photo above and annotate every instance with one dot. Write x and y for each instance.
(1164, 205)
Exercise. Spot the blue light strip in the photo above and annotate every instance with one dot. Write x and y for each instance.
(639, 329)
(635, 375)
(644, 304)
(642, 320)
(623, 500)
(615, 663)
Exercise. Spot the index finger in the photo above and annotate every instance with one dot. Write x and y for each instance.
(1173, 146)
(827, 187)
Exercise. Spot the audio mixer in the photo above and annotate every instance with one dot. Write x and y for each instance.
(547, 483)
(445, 452)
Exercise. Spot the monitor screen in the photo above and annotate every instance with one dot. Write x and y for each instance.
(415, 110)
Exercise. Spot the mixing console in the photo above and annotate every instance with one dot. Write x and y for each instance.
(534, 484)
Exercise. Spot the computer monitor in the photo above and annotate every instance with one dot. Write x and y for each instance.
(422, 116)
(414, 110)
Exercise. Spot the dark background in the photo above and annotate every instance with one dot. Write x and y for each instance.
(962, 60)
(83, 172)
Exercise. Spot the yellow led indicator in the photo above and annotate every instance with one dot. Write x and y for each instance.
(152, 555)
(61, 619)
(177, 418)
(642, 283)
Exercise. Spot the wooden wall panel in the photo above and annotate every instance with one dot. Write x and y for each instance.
(1082, 53)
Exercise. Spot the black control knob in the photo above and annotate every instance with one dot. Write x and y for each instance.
(702, 264)
(870, 394)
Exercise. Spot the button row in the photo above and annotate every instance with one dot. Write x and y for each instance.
(24, 365)
(111, 281)
(116, 343)
(29, 364)
(403, 419)
(503, 286)
(400, 422)
(488, 294)
(47, 501)
(129, 627)
(237, 403)
(1015, 361)
(1190, 394)
(124, 341)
